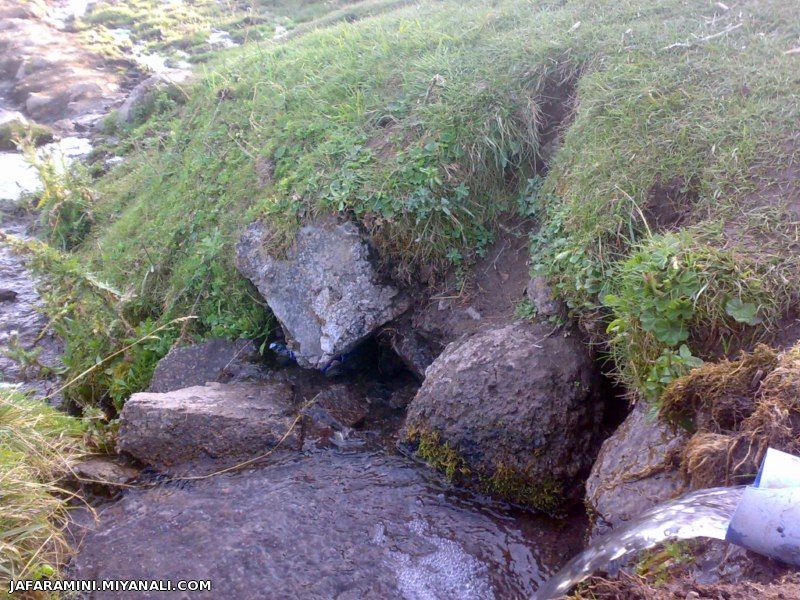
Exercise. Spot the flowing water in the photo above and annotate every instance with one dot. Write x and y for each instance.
(706, 513)
(29, 351)
(156, 63)
(327, 524)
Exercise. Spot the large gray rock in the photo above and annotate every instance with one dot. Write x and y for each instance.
(215, 360)
(215, 421)
(635, 470)
(519, 404)
(326, 293)
(140, 102)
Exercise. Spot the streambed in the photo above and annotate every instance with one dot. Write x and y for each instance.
(326, 524)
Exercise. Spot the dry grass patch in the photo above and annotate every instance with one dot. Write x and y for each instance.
(739, 409)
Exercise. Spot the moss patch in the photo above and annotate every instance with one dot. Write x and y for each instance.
(505, 483)
(542, 494)
(439, 455)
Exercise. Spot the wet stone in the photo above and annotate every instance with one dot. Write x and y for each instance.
(7, 295)
(216, 421)
(102, 478)
(214, 360)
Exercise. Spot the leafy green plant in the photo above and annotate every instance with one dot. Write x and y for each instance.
(525, 309)
(65, 201)
(529, 203)
(669, 290)
(743, 312)
(669, 366)
(663, 300)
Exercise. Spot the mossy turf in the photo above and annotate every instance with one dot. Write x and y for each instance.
(666, 213)
(737, 410)
(13, 132)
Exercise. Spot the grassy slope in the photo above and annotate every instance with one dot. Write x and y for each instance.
(422, 124)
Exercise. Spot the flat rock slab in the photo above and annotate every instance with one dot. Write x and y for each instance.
(214, 360)
(326, 294)
(321, 526)
(212, 421)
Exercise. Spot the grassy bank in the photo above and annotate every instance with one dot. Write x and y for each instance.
(37, 445)
(666, 215)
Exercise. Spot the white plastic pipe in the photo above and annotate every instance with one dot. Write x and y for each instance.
(767, 519)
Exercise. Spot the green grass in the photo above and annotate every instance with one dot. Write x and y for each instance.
(424, 124)
(37, 446)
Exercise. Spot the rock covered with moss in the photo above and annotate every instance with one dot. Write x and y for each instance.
(140, 102)
(520, 406)
(326, 293)
(14, 126)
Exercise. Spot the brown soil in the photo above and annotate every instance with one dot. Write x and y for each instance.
(670, 203)
(488, 294)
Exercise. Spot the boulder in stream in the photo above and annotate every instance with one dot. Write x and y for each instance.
(215, 421)
(326, 293)
(637, 468)
(517, 408)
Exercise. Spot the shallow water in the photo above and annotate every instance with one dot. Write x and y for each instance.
(220, 38)
(328, 524)
(22, 324)
(154, 62)
(706, 513)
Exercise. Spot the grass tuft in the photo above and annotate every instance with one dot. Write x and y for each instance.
(37, 446)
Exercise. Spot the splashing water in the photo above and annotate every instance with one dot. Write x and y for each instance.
(706, 513)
